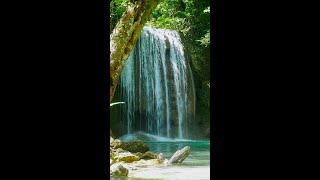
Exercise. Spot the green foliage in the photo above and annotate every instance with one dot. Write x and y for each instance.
(171, 14)
(191, 17)
(207, 10)
(117, 8)
(205, 40)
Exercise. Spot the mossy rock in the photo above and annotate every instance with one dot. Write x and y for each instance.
(149, 155)
(134, 146)
(125, 157)
(115, 143)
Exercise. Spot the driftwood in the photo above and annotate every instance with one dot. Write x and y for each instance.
(179, 156)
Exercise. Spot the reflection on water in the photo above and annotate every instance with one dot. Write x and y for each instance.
(195, 166)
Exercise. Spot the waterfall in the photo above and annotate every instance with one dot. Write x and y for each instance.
(157, 86)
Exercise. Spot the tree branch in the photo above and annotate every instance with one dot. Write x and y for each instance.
(125, 35)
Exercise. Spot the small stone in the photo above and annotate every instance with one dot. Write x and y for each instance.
(161, 158)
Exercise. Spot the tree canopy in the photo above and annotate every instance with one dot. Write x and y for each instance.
(191, 17)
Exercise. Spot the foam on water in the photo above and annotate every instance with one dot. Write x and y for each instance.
(146, 137)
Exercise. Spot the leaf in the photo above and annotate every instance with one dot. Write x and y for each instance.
(112, 104)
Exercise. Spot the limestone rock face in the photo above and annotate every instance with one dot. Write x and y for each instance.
(199, 58)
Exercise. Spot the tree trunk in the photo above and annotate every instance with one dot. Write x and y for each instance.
(125, 35)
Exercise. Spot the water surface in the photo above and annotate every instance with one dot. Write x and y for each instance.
(195, 166)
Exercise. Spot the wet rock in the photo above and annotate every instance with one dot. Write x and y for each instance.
(118, 170)
(161, 158)
(115, 144)
(134, 146)
(138, 154)
(111, 140)
(119, 150)
(149, 155)
(146, 163)
(125, 157)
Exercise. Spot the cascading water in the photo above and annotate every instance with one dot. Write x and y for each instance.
(157, 86)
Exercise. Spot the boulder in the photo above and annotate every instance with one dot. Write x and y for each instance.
(118, 170)
(149, 155)
(125, 157)
(134, 146)
(115, 144)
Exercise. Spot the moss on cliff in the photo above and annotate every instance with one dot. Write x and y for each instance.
(199, 58)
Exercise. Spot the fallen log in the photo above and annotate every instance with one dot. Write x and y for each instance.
(179, 156)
